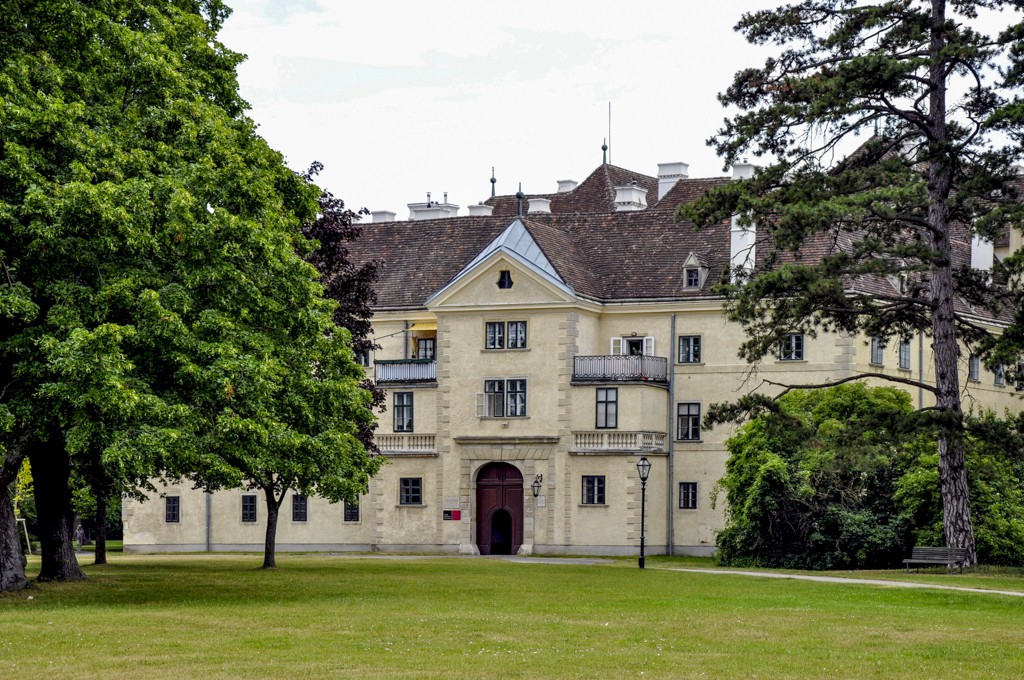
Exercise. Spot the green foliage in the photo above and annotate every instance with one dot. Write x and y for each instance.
(840, 478)
(159, 317)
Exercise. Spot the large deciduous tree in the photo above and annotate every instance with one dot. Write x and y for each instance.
(157, 308)
(942, 95)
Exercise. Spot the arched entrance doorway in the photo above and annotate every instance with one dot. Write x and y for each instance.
(499, 509)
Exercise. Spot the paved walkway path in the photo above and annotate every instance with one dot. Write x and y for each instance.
(838, 579)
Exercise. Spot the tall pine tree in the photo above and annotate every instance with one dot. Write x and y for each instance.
(940, 93)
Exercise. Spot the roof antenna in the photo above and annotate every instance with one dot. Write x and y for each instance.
(520, 196)
(609, 131)
(604, 152)
(493, 181)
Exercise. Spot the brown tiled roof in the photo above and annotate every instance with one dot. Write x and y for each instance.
(602, 254)
(595, 194)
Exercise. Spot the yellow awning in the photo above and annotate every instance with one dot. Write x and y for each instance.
(424, 326)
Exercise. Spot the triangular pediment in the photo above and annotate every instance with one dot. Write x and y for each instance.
(516, 245)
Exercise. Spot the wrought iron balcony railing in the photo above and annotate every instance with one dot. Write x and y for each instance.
(405, 371)
(620, 367)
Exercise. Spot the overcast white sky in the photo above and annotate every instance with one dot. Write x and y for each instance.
(401, 98)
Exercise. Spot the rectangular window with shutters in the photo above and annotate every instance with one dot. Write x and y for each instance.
(607, 407)
(687, 495)
(633, 345)
(249, 508)
(593, 490)
(502, 398)
(403, 411)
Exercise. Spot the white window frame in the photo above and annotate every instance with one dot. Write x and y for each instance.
(502, 399)
(620, 345)
(403, 413)
(974, 368)
(793, 347)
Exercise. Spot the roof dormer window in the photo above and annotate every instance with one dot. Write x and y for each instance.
(695, 271)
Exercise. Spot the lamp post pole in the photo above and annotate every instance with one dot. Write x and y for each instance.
(643, 466)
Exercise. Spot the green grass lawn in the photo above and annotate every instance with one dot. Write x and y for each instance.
(324, 616)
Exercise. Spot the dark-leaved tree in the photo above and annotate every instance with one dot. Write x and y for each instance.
(925, 77)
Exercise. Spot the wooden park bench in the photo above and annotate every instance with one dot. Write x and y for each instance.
(946, 556)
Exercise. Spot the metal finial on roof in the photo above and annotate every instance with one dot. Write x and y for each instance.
(520, 196)
(604, 152)
(493, 181)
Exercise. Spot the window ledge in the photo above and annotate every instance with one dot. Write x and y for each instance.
(689, 441)
(689, 363)
(405, 505)
(495, 350)
(791, 361)
(593, 505)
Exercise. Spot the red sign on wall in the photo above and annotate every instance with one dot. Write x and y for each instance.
(451, 514)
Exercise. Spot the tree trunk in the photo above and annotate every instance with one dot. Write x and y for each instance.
(12, 558)
(50, 471)
(956, 506)
(270, 544)
(101, 530)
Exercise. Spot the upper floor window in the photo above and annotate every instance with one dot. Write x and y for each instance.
(687, 495)
(689, 349)
(300, 508)
(172, 509)
(505, 335)
(688, 421)
(904, 359)
(1000, 376)
(403, 411)
(363, 358)
(877, 351)
(248, 507)
(502, 398)
(607, 407)
(633, 345)
(426, 348)
(792, 347)
(974, 368)
(593, 490)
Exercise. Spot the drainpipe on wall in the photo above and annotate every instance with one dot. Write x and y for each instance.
(208, 496)
(671, 467)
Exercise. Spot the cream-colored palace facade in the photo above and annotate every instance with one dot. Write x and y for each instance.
(532, 355)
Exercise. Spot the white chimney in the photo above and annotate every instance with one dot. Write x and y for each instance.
(480, 210)
(982, 253)
(630, 197)
(743, 170)
(669, 174)
(741, 247)
(539, 205)
(382, 216)
(432, 210)
(565, 185)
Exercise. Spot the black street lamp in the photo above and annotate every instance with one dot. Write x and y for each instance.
(643, 466)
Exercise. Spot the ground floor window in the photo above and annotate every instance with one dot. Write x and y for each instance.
(687, 495)
(300, 508)
(352, 511)
(172, 509)
(410, 491)
(593, 490)
(249, 507)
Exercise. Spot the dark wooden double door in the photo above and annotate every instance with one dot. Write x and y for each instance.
(499, 509)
